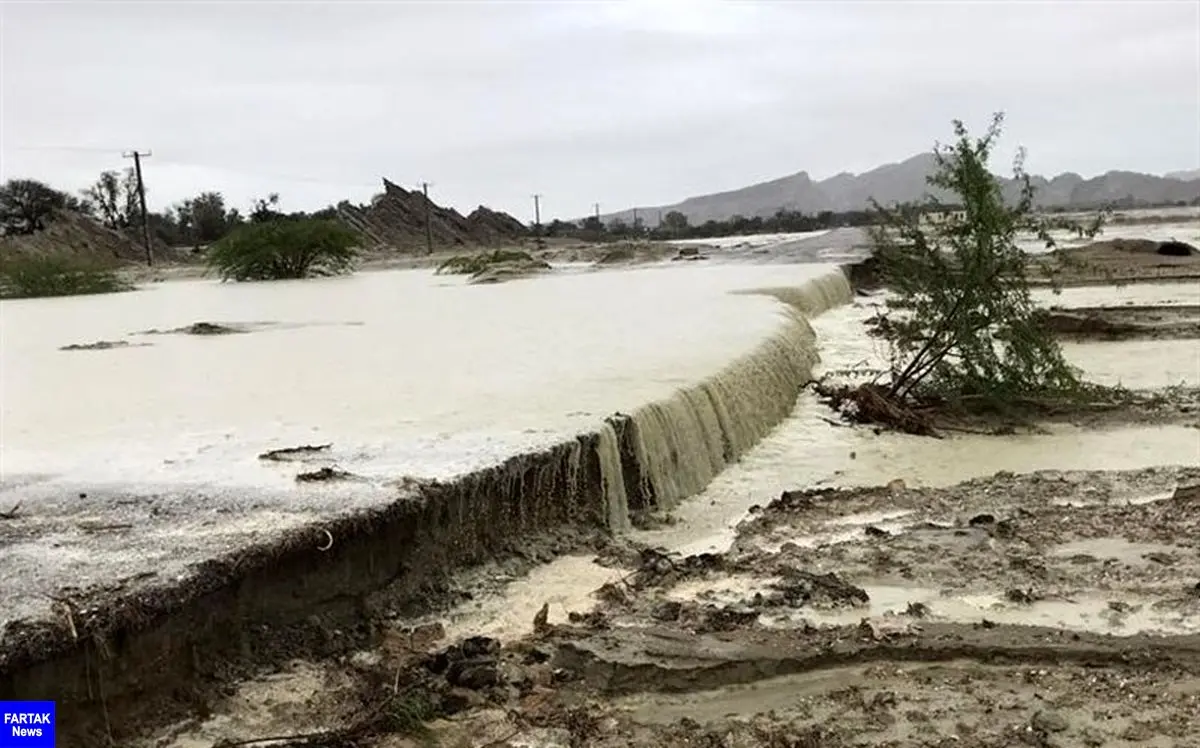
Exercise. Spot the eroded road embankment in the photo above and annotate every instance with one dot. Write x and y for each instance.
(1054, 608)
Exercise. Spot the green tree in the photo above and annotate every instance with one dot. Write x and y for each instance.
(961, 319)
(26, 205)
(206, 217)
(266, 209)
(284, 249)
(114, 197)
(675, 222)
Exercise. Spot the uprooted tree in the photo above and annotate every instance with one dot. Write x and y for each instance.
(960, 319)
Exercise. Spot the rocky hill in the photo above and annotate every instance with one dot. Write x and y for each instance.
(905, 181)
(396, 220)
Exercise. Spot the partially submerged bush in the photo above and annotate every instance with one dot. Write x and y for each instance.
(960, 319)
(284, 249)
(33, 276)
(477, 263)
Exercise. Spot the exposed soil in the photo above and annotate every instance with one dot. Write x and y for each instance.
(1162, 322)
(1119, 260)
(1048, 609)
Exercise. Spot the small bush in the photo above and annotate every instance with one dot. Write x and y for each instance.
(477, 263)
(284, 249)
(31, 276)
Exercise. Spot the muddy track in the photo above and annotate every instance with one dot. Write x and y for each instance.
(676, 661)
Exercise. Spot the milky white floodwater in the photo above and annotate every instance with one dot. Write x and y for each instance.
(807, 450)
(404, 368)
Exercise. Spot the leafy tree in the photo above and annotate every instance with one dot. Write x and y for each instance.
(961, 320)
(26, 205)
(114, 197)
(206, 217)
(265, 210)
(284, 249)
(675, 223)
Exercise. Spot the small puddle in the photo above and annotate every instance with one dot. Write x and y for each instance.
(1114, 501)
(852, 527)
(734, 589)
(567, 584)
(1115, 548)
(782, 695)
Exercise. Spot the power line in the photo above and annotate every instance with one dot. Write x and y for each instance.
(182, 162)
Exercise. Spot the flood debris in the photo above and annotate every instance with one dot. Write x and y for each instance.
(102, 345)
(325, 474)
(289, 454)
(200, 328)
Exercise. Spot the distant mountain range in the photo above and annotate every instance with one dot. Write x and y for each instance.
(904, 182)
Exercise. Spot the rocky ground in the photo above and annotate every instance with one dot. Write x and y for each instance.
(1047, 609)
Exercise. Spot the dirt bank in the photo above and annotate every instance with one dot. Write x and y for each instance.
(1120, 260)
(1048, 609)
(1160, 322)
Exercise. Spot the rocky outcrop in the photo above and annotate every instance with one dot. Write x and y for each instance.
(396, 220)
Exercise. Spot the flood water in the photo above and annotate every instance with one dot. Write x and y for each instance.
(807, 451)
(406, 369)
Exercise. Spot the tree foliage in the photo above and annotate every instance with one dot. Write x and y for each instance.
(204, 218)
(114, 198)
(961, 318)
(284, 249)
(27, 205)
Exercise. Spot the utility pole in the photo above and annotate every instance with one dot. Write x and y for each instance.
(137, 170)
(428, 219)
(537, 220)
(635, 223)
(596, 206)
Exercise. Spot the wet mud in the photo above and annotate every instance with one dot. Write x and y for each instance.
(1165, 322)
(1044, 609)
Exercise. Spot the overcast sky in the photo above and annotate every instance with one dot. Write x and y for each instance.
(620, 103)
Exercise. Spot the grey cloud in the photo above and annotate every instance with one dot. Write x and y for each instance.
(624, 103)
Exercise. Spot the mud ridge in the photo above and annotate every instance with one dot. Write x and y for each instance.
(118, 661)
(672, 661)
